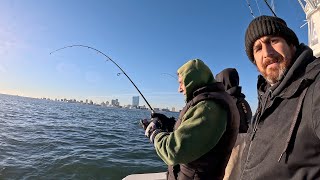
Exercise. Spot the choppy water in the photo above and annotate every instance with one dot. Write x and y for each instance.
(42, 139)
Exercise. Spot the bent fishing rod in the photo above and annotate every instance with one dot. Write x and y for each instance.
(108, 58)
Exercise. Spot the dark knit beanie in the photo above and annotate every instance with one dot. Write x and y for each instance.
(268, 25)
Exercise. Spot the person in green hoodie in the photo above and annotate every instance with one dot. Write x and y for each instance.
(201, 141)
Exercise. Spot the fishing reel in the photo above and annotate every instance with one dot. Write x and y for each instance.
(163, 122)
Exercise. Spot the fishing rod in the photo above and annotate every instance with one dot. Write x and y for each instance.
(270, 8)
(108, 58)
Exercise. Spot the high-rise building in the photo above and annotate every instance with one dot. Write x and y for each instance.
(135, 101)
(115, 102)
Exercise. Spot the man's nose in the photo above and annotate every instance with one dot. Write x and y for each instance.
(180, 90)
(268, 51)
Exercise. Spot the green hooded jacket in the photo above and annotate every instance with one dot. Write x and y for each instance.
(201, 126)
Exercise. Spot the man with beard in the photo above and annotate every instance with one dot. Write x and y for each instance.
(284, 138)
(200, 144)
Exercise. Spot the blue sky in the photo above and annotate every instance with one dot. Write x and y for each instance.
(149, 39)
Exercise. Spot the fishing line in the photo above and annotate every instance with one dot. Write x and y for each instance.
(272, 5)
(258, 7)
(108, 58)
(249, 6)
(174, 77)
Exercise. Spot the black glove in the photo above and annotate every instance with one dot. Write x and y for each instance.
(144, 123)
(165, 123)
(152, 129)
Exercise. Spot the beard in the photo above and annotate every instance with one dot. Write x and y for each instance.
(275, 66)
(275, 74)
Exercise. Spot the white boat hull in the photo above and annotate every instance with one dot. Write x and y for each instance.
(149, 176)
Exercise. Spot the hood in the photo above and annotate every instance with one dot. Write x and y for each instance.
(230, 79)
(195, 74)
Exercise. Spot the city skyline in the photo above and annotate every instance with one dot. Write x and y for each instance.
(111, 103)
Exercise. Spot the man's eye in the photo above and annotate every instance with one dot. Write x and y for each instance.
(256, 49)
(274, 41)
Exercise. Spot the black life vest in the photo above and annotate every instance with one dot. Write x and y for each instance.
(212, 164)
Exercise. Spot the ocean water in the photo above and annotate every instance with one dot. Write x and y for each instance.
(41, 139)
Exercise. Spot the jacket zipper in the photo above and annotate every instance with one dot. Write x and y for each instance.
(256, 123)
(255, 128)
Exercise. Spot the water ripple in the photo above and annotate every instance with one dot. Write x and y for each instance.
(42, 139)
